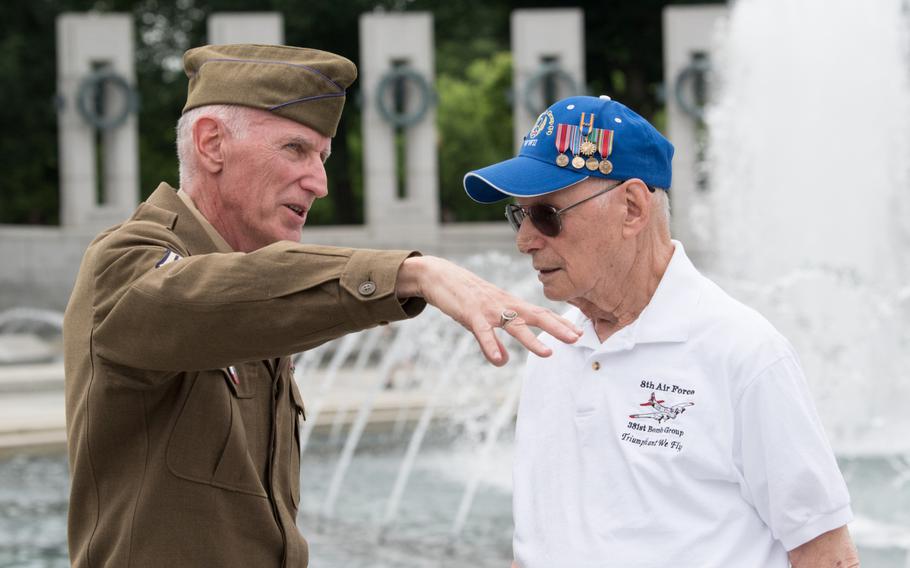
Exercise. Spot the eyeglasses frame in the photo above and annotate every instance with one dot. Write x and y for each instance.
(557, 212)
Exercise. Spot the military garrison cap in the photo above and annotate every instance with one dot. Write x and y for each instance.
(304, 85)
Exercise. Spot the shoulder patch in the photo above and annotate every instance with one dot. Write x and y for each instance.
(169, 257)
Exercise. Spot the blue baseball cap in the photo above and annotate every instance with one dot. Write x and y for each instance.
(577, 138)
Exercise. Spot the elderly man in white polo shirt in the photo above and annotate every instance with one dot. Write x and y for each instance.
(679, 430)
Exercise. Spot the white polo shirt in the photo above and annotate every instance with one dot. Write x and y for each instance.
(687, 439)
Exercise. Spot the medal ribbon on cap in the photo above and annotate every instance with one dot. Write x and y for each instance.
(562, 143)
(588, 145)
(582, 125)
(583, 140)
(605, 147)
(562, 137)
(574, 137)
(575, 133)
(604, 142)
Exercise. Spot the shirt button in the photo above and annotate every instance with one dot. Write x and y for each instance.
(367, 288)
(595, 365)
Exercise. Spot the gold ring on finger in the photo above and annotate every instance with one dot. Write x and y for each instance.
(506, 317)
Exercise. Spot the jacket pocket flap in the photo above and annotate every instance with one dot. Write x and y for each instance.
(235, 380)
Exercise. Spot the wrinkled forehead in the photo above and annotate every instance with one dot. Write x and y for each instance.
(280, 128)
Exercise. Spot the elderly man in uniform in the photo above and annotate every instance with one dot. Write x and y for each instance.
(182, 411)
(678, 431)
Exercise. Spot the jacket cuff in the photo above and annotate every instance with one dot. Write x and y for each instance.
(368, 288)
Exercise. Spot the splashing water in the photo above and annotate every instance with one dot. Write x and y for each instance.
(810, 162)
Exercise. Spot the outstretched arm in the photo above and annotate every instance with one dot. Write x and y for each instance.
(477, 305)
(827, 550)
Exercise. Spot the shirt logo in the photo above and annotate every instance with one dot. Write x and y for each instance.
(663, 437)
(661, 411)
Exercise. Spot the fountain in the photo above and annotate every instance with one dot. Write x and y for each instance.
(808, 153)
(810, 136)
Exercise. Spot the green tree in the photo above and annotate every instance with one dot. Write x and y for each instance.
(475, 130)
(28, 149)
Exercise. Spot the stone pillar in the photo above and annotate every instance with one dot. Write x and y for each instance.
(246, 27)
(548, 61)
(396, 76)
(96, 190)
(690, 35)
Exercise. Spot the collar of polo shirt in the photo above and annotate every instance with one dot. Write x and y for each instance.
(667, 317)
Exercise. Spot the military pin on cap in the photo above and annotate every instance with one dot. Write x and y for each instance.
(577, 136)
(605, 147)
(587, 146)
(562, 144)
(574, 135)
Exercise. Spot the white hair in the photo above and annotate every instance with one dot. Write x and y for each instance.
(661, 199)
(235, 118)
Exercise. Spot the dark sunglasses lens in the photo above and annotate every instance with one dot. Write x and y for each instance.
(545, 219)
(515, 216)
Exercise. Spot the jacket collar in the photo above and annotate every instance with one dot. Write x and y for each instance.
(187, 226)
(668, 316)
(210, 229)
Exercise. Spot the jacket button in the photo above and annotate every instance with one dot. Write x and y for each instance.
(595, 365)
(367, 288)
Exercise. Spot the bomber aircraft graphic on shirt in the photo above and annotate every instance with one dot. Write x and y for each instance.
(662, 412)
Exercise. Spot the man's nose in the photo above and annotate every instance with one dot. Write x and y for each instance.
(315, 180)
(528, 239)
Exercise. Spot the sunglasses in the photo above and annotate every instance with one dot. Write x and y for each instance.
(546, 218)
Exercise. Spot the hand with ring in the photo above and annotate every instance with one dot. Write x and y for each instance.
(481, 307)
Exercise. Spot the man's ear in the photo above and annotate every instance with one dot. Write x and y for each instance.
(208, 142)
(637, 199)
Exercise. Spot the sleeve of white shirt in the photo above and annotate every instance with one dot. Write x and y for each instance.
(789, 471)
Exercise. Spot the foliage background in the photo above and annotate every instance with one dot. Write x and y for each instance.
(473, 64)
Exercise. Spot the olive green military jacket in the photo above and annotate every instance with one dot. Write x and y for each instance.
(182, 413)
